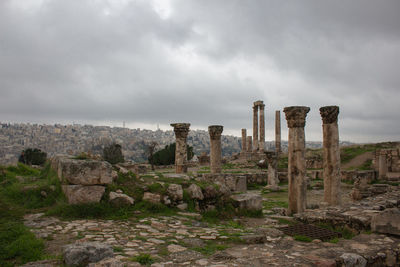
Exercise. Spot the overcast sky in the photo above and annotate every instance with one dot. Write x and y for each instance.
(204, 62)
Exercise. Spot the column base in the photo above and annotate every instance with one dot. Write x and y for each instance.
(181, 168)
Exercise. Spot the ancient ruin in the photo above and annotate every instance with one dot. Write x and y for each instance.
(331, 154)
(215, 147)
(258, 143)
(181, 131)
(244, 141)
(272, 160)
(278, 147)
(296, 120)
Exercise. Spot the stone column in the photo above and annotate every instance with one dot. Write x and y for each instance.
(278, 148)
(249, 143)
(181, 131)
(262, 128)
(382, 168)
(296, 120)
(215, 132)
(255, 127)
(331, 154)
(272, 160)
(244, 141)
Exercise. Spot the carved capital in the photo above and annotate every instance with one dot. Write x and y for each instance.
(296, 116)
(215, 131)
(181, 129)
(329, 114)
(262, 106)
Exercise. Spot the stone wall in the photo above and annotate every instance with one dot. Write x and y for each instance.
(83, 181)
(392, 159)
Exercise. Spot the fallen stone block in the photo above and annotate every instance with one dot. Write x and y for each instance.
(386, 222)
(247, 201)
(84, 253)
(78, 194)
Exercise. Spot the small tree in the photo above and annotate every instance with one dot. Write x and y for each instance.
(33, 156)
(150, 151)
(166, 156)
(113, 153)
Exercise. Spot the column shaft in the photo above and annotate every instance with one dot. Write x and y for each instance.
(249, 143)
(295, 117)
(278, 148)
(331, 155)
(255, 128)
(181, 131)
(244, 141)
(215, 132)
(262, 128)
(382, 168)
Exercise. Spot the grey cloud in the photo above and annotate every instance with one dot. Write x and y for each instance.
(205, 64)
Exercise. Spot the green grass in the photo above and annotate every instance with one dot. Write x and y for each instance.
(283, 163)
(271, 203)
(143, 259)
(211, 247)
(302, 238)
(345, 231)
(228, 166)
(118, 249)
(334, 240)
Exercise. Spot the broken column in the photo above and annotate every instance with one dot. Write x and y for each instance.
(382, 168)
(244, 135)
(272, 160)
(296, 120)
(262, 128)
(278, 148)
(331, 154)
(215, 132)
(181, 131)
(255, 127)
(249, 143)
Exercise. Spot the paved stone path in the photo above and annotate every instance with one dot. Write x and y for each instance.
(170, 241)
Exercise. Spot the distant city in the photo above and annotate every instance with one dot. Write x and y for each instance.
(74, 139)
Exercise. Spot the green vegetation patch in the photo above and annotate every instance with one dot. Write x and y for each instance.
(211, 247)
(143, 259)
(302, 238)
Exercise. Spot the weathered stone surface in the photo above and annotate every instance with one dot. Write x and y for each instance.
(296, 120)
(235, 182)
(331, 155)
(43, 263)
(175, 192)
(120, 199)
(244, 142)
(210, 192)
(254, 239)
(181, 131)
(387, 222)
(77, 194)
(83, 172)
(110, 262)
(175, 248)
(215, 132)
(247, 201)
(85, 253)
(195, 192)
(150, 197)
(278, 148)
(182, 206)
(353, 260)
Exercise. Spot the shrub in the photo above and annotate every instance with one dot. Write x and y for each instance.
(113, 154)
(166, 156)
(33, 156)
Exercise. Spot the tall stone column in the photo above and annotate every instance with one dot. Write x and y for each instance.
(296, 120)
(382, 168)
(262, 128)
(331, 154)
(272, 160)
(255, 127)
(249, 143)
(181, 131)
(244, 141)
(278, 148)
(215, 132)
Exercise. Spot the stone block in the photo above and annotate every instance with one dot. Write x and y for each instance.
(150, 197)
(387, 222)
(83, 172)
(247, 201)
(119, 199)
(78, 194)
(85, 253)
(175, 192)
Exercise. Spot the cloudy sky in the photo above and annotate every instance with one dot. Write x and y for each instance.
(204, 62)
